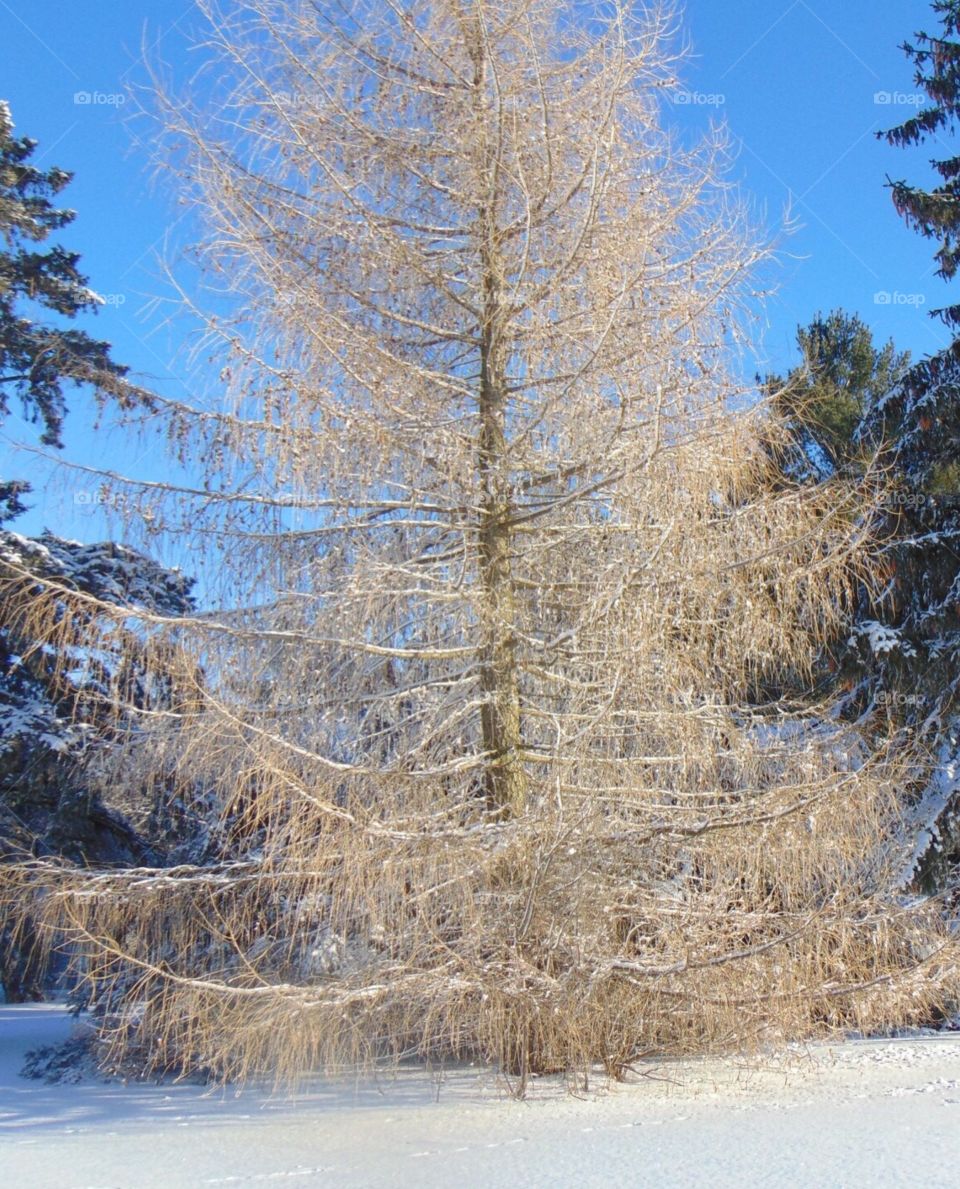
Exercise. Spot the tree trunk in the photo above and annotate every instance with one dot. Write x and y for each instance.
(505, 778)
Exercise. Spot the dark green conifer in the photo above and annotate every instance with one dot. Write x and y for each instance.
(39, 357)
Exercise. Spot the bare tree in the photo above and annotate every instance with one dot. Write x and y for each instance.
(503, 563)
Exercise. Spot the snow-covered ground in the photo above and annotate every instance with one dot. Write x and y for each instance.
(877, 1113)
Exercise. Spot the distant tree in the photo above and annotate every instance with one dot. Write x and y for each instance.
(924, 416)
(821, 405)
(905, 654)
(836, 403)
(37, 359)
(919, 424)
(59, 708)
(842, 376)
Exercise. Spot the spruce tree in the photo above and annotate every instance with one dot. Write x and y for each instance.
(842, 376)
(53, 719)
(921, 419)
(63, 713)
(912, 649)
(934, 212)
(37, 358)
(924, 416)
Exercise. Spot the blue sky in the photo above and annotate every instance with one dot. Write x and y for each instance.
(803, 85)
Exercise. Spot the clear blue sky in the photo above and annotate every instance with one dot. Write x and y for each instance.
(802, 85)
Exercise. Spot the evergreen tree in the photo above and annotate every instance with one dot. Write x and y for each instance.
(898, 664)
(924, 416)
(36, 358)
(824, 403)
(62, 711)
(920, 421)
(911, 650)
(935, 214)
(841, 378)
(57, 709)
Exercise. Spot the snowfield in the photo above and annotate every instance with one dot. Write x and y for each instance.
(877, 1113)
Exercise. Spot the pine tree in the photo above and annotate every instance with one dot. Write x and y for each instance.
(908, 649)
(924, 415)
(63, 711)
(36, 358)
(826, 403)
(920, 422)
(841, 378)
(56, 710)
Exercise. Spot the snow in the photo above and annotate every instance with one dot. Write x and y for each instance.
(107, 570)
(862, 1113)
(31, 704)
(921, 822)
(882, 639)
